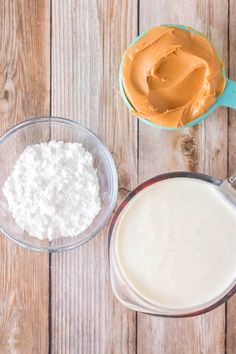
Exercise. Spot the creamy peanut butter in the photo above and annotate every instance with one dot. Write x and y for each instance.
(172, 76)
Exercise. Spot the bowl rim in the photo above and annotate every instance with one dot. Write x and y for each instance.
(112, 172)
(181, 313)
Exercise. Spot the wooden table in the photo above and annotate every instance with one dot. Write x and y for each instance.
(61, 58)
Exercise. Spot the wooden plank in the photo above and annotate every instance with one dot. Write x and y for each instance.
(88, 38)
(204, 149)
(231, 305)
(24, 92)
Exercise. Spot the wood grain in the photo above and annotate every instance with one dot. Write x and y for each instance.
(24, 92)
(88, 38)
(231, 305)
(203, 149)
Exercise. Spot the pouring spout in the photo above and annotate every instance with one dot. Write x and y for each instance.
(228, 188)
(232, 180)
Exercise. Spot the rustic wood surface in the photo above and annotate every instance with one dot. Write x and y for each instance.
(61, 58)
(24, 92)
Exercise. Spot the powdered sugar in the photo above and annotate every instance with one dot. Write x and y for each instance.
(53, 190)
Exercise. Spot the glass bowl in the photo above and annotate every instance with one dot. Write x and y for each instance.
(43, 129)
(124, 291)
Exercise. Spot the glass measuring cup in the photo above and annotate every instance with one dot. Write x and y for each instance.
(227, 98)
(125, 292)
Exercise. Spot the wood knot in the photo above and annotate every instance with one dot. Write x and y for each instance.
(123, 192)
(124, 179)
(215, 154)
(6, 96)
(189, 149)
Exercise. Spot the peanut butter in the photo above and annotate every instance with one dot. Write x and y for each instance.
(172, 76)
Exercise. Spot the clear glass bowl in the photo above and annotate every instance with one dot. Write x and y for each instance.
(43, 129)
(125, 293)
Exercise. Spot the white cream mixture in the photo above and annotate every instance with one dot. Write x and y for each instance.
(175, 243)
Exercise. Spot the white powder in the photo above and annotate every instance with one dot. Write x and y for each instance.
(53, 190)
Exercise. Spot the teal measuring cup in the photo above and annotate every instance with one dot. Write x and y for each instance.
(227, 98)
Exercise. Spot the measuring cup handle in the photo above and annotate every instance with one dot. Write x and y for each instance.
(228, 97)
